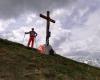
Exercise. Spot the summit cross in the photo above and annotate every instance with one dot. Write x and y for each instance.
(48, 33)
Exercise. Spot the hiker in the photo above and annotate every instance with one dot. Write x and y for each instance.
(33, 35)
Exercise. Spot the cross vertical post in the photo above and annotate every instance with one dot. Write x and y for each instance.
(47, 30)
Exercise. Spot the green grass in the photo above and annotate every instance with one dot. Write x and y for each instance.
(18, 62)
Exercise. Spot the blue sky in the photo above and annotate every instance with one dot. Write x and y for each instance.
(77, 26)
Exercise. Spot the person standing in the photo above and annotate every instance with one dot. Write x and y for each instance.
(32, 37)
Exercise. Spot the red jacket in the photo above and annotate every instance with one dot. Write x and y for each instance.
(32, 33)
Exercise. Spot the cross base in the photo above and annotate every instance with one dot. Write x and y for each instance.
(49, 50)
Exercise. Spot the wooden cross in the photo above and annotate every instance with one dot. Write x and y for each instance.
(48, 33)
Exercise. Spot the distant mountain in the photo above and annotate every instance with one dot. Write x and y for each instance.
(18, 62)
(88, 60)
(92, 59)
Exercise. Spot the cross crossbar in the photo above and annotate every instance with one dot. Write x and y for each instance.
(48, 18)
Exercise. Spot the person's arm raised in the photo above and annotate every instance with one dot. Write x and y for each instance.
(27, 32)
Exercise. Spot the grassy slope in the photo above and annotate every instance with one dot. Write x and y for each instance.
(18, 62)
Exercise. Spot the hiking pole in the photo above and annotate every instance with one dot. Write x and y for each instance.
(23, 39)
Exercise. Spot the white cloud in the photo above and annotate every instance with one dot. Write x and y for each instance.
(30, 18)
(5, 24)
(1, 28)
(94, 19)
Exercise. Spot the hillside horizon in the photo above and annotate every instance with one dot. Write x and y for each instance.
(18, 62)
